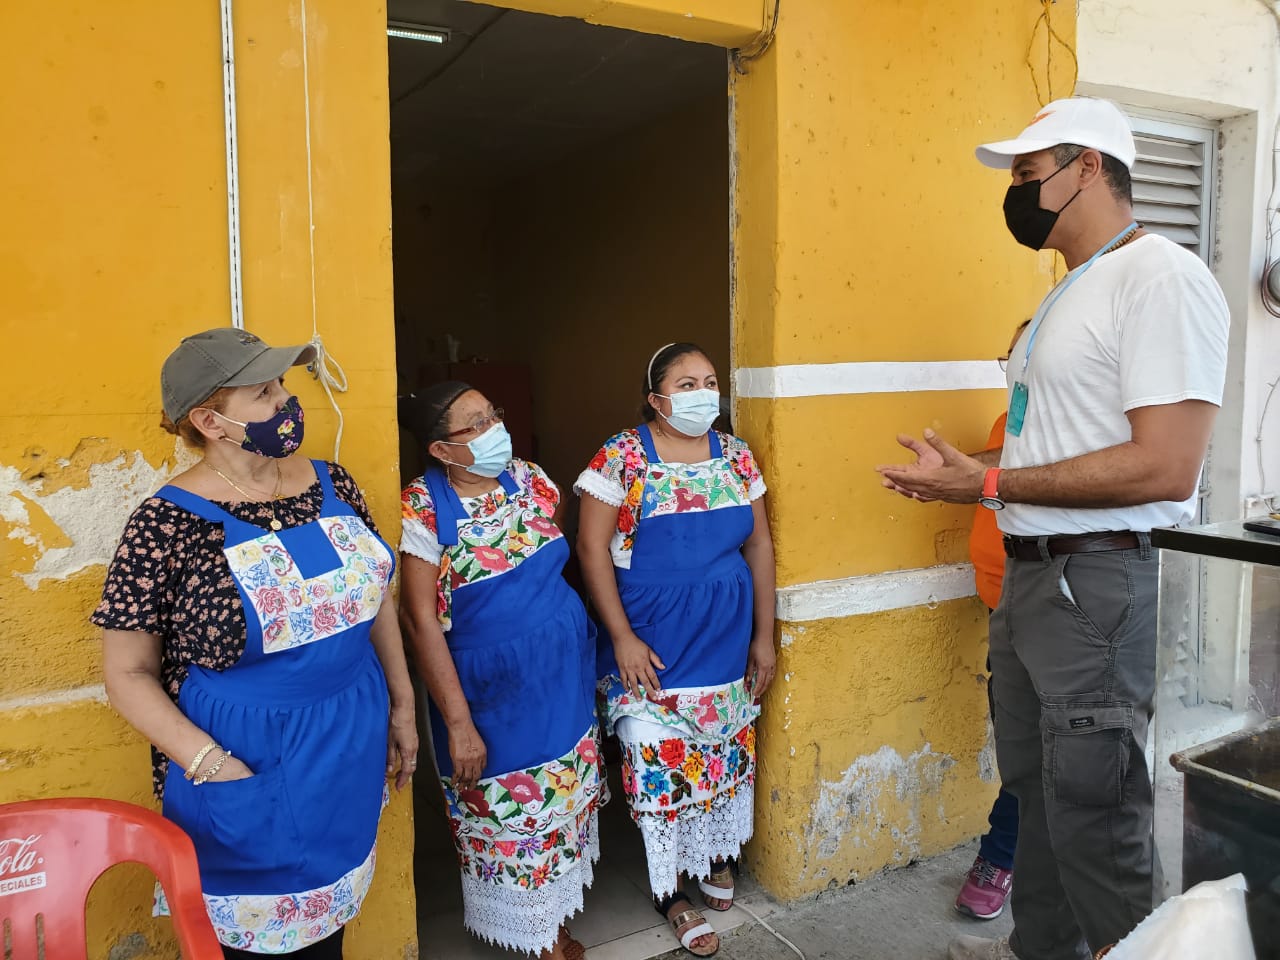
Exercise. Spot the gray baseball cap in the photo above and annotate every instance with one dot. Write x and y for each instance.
(226, 357)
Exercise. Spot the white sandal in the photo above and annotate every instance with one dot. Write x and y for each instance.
(724, 872)
(699, 928)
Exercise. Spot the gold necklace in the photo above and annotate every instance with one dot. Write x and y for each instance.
(275, 521)
(448, 476)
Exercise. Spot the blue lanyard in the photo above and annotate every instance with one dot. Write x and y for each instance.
(1056, 294)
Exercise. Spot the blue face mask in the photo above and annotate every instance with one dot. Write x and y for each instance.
(693, 411)
(491, 450)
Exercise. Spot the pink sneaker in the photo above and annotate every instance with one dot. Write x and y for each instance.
(985, 890)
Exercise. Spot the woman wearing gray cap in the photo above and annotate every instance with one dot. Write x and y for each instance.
(245, 635)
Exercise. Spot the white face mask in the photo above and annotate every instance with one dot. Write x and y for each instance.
(693, 411)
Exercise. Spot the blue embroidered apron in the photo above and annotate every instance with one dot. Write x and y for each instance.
(305, 708)
(521, 643)
(689, 593)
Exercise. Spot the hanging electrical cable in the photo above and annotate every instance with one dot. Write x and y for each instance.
(1051, 37)
(233, 162)
(1269, 282)
(741, 56)
(325, 367)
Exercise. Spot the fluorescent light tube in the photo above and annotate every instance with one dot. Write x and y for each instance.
(413, 31)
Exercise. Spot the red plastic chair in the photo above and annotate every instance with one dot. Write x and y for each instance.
(52, 851)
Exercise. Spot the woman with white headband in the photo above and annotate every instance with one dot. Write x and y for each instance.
(675, 549)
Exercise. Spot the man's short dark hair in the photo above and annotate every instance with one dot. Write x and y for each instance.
(1115, 173)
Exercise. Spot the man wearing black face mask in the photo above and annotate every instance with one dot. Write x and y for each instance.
(1113, 390)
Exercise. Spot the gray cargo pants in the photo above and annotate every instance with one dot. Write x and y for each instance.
(1073, 650)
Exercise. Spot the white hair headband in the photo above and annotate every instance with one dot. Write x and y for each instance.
(653, 358)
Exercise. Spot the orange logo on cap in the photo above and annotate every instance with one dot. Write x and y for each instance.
(1040, 116)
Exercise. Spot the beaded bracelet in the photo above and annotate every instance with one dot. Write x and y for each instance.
(213, 768)
(195, 764)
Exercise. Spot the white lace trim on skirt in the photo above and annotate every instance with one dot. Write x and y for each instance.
(689, 844)
(528, 919)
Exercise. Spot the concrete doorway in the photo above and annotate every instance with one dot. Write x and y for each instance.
(560, 197)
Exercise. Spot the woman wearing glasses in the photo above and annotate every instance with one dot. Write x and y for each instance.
(508, 655)
(676, 553)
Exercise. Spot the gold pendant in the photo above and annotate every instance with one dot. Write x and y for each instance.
(276, 524)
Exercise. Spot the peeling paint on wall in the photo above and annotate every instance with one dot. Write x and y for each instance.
(75, 525)
(881, 791)
(988, 771)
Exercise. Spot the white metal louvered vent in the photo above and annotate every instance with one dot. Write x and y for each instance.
(1173, 194)
(1173, 182)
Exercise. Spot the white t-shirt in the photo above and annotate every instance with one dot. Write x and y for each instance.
(1146, 325)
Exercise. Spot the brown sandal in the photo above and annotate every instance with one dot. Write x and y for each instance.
(571, 948)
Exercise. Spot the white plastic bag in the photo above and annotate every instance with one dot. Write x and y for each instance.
(1208, 922)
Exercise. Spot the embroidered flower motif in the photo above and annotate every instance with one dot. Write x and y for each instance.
(694, 764)
(475, 803)
(543, 526)
(543, 490)
(708, 770)
(287, 909)
(564, 781)
(550, 831)
(491, 559)
(270, 600)
(587, 750)
(518, 542)
(522, 787)
(672, 752)
(317, 904)
(326, 617)
(655, 782)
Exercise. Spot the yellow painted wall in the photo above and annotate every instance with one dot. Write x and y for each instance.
(726, 23)
(863, 230)
(866, 231)
(114, 248)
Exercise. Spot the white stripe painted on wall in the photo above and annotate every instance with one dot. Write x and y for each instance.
(95, 692)
(855, 596)
(830, 379)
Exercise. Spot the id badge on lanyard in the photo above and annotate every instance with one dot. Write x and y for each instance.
(1020, 396)
(1017, 409)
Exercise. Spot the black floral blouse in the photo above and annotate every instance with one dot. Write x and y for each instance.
(170, 577)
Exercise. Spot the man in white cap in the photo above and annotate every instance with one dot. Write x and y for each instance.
(1113, 391)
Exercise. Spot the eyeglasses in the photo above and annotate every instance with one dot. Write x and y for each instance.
(1004, 362)
(484, 423)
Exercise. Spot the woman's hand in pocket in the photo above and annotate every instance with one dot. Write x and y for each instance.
(638, 666)
(233, 769)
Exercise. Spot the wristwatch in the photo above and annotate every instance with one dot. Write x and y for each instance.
(990, 498)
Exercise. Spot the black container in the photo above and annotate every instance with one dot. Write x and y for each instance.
(1231, 822)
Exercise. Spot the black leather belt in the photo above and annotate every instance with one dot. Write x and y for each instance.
(1028, 548)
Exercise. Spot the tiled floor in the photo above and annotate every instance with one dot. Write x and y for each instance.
(618, 921)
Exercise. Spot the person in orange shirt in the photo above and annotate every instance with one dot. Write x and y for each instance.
(987, 885)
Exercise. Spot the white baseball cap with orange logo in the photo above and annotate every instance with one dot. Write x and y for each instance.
(1085, 121)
